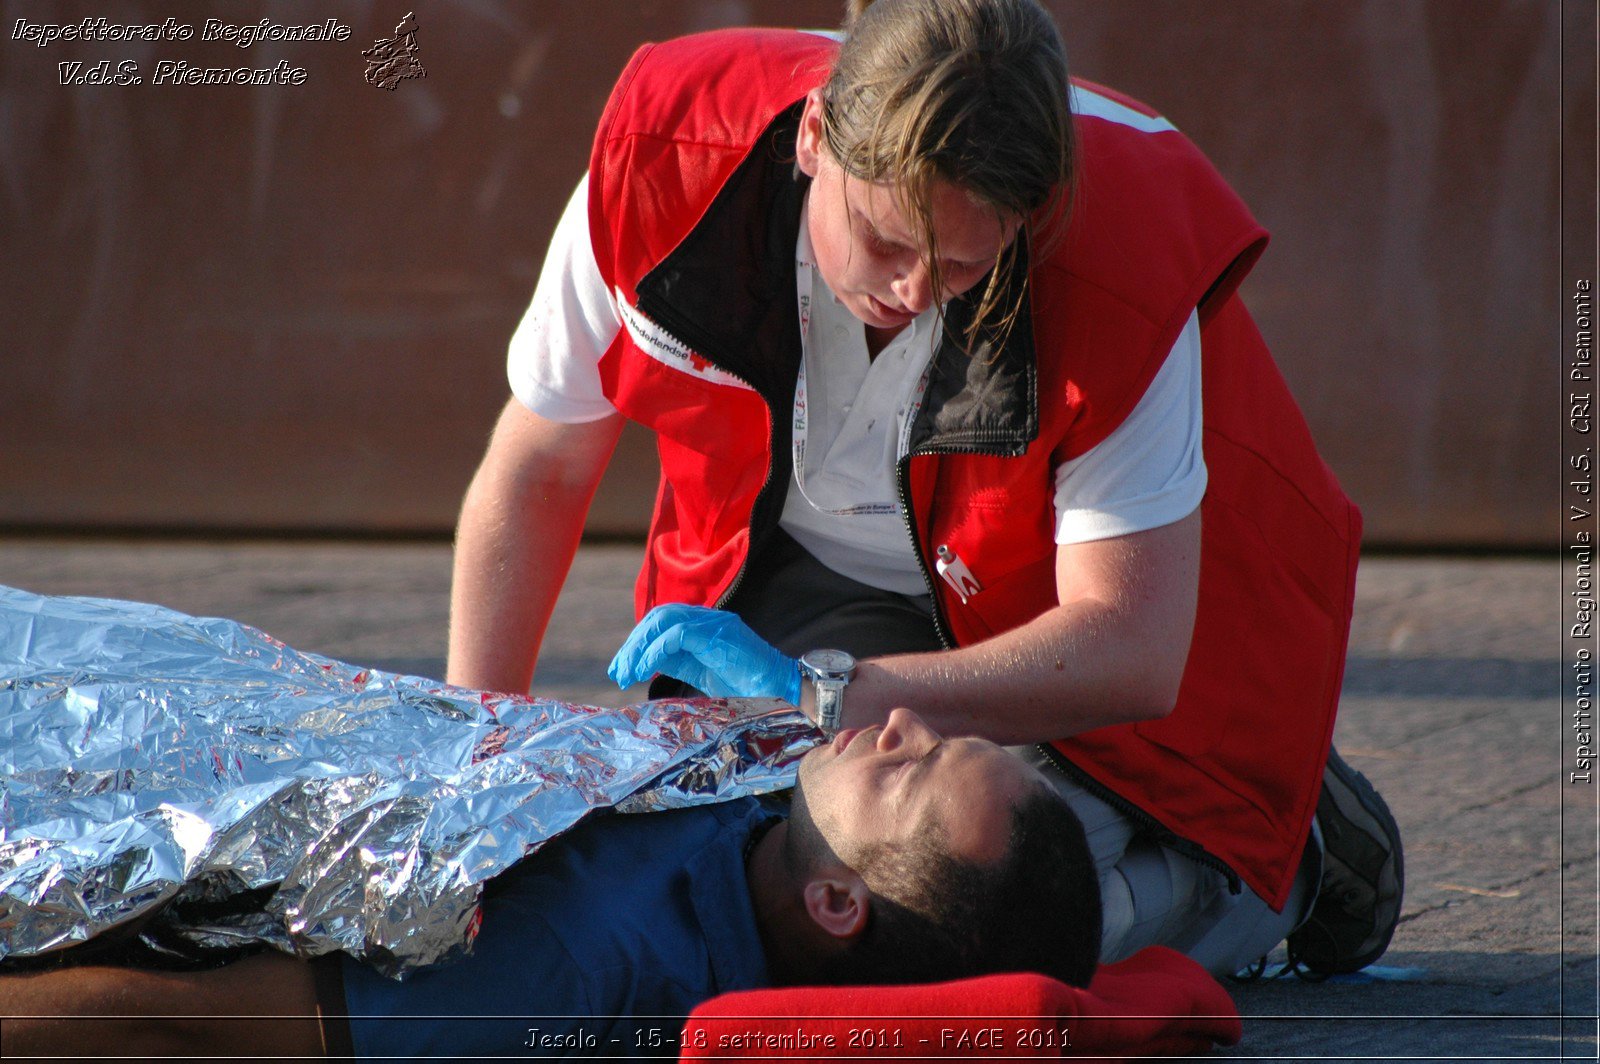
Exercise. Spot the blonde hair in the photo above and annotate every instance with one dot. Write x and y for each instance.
(970, 92)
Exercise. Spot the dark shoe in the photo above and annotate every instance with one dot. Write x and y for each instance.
(1363, 877)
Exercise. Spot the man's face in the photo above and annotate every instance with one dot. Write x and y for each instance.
(871, 255)
(874, 787)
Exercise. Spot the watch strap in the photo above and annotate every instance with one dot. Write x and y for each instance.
(830, 702)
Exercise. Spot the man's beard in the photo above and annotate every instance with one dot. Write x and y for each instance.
(804, 845)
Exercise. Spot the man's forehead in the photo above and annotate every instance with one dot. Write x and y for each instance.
(968, 754)
(971, 791)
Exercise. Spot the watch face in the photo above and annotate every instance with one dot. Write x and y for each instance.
(829, 661)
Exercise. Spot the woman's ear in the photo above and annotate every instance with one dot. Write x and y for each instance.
(839, 905)
(808, 146)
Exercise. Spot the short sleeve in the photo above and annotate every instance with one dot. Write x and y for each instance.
(1150, 471)
(554, 360)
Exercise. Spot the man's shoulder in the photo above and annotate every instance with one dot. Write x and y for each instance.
(681, 831)
(677, 922)
(632, 858)
(643, 914)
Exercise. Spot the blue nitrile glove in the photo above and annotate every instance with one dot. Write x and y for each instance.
(712, 649)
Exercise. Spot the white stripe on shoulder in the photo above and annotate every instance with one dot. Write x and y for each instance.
(667, 349)
(832, 35)
(1094, 105)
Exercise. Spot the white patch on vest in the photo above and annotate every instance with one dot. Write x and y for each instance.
(1094, 105)
(667, 349)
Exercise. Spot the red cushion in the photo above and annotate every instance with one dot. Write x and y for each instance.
(1157, 1002)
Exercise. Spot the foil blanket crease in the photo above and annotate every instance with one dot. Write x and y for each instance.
(195, 776)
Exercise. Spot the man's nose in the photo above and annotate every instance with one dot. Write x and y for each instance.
(905, 728)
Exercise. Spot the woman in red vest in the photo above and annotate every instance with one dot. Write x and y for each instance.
(957, 408)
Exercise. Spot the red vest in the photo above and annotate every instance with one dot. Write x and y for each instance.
(694, 210)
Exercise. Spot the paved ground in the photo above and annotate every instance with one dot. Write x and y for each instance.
(1451, 707)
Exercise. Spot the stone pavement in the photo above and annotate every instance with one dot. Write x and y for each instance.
(1451, 707)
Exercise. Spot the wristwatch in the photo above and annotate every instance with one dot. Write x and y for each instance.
(828, 671)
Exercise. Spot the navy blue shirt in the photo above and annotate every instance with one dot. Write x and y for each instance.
(600, 943)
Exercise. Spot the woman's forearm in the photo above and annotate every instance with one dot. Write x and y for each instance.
(1112, 653)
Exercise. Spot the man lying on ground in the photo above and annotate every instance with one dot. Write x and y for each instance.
(904, 857)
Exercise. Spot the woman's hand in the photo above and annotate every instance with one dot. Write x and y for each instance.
(713, 650)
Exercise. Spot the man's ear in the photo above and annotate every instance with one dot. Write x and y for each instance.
(838, 904)
(808, 146)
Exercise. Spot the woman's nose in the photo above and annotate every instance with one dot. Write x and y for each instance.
(914, 289)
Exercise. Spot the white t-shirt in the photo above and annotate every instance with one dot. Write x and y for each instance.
(843, 503)
(1147, 473)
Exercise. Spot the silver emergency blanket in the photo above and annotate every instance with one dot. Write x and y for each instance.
(197, 776)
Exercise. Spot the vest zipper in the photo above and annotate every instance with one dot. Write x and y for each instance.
(902, 481)
(1158, 831)
(903, 486)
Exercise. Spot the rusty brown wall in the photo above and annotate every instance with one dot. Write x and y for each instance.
(287, 307)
